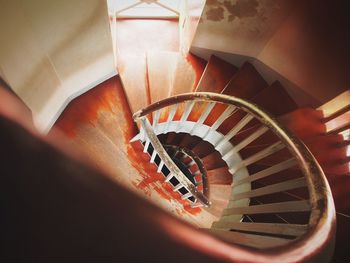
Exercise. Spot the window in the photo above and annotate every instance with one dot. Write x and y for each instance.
(144, 8)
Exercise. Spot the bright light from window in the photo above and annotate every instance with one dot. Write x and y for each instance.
(144, 8)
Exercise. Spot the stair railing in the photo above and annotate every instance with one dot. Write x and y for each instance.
(195, 166)
(297, 241)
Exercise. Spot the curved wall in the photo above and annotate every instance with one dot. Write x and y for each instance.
(52, 51)
(305, 42)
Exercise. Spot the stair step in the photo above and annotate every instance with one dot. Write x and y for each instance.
(275, 100)
(187, 74)
(331, 152)
(297, 120)
(266, 139)
(213, 161)
(171, 138)
(219, 114)
(163, 138)
(219, 176)
(189, 141)
(203, 148)
(266, 152)
(216, 76)
(283, 207)
(220, 192)
(251, 138)
(250, 240)
(217, 207)
(273, 188)
(267, 171)
(266, 228)
(336, 105)
(246, 83)
(161, 70)
(132, 70)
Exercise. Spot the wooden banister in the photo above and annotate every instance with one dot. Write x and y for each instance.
(310, 239)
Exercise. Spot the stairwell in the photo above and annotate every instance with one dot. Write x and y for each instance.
(101, 124)
(189, 73)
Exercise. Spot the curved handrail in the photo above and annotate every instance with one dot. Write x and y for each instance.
(184, 181)
(320, 234)
(198, 162)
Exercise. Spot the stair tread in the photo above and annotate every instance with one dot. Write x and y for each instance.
(189, 141)
(219, 176)
(336, 104)
(250, 240)
(216, 76)
(297, 120)
(161, 70)
(329, 153)
(187, 74)
(220, 192)
(263, 228)
(132, 70)
(217, 207)
(246, 83)
(275, 99)
(203, 148)
(271, 208)
(213, 161)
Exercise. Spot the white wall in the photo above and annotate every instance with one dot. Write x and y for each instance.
(306, 42)
(190, 14)
(240, 26)
(52, 51)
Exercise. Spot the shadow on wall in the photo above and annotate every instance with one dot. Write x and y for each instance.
(238, 9)
(307, 42)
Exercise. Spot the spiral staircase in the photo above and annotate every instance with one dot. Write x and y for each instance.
(259, 183)
(221, 149)
(232, 168)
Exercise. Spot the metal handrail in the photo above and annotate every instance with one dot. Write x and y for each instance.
(320, 234)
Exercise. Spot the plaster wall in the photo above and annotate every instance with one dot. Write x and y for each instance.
(305, 42)
(240, 26)
(311, 48)
(52, 51)
(190, 14)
